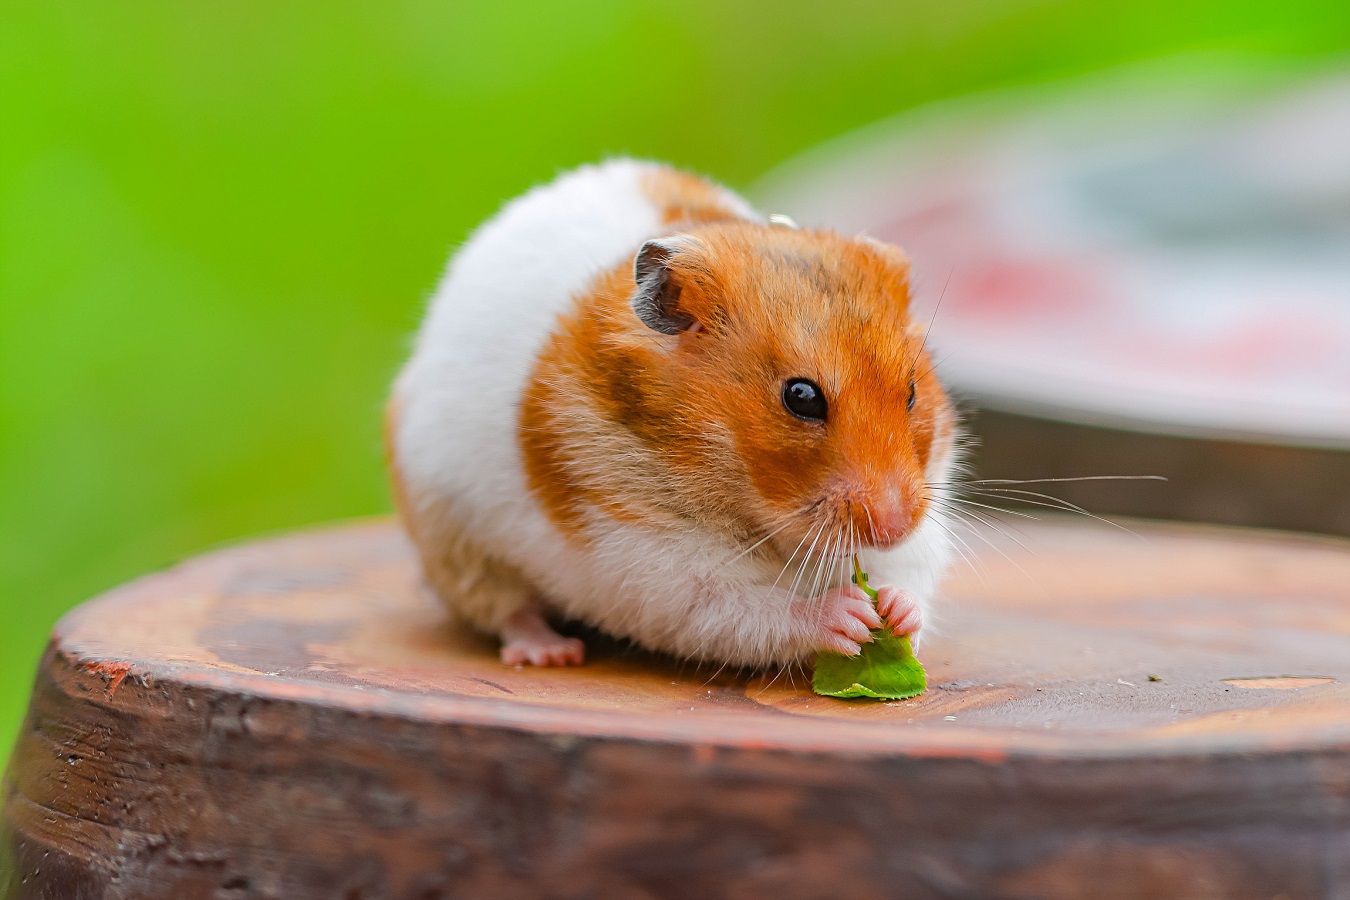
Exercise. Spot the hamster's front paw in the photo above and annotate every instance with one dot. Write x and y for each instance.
(901, 610)
(846, 619)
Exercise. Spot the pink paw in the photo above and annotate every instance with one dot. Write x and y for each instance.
(543, 650)
(528, 638)
(902, 611)
(846, 619)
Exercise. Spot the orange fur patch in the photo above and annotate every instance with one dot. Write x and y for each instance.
(684, 198)
(646, 427)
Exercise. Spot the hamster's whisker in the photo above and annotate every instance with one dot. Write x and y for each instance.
(791, 588)
(1050, 502)
(1005, 529)
(1010, 512)
(932, 366)
(776, 675)
(807, 560)
(812, 563)
(936, 498)
(831, 562)
(964, 550)
(964, 515)
(792, 682)
(787, 565)
(923, 344)
(998, 492)
(1076, 478)
(969, 514)
(987, 481)
(840, 551)
(846, 561)
(823, 567)
(871, 523)
(847, 549)
(757, 544)
(842, 560)
(820, 527)
(998, 489)
(777, 671)
(714, 675)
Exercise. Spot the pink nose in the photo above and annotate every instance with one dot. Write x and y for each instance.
(890, 517)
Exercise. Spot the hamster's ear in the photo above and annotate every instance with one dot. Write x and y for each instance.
(889, 252)
(897, 266)
(660, 285)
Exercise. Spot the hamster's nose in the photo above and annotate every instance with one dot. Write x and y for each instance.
(889, 518)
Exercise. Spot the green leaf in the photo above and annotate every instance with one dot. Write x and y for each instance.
(885, 669)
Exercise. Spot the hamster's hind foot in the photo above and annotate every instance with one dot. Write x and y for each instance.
(528, 638)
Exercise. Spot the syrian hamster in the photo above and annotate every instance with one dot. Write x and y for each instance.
(637, 403)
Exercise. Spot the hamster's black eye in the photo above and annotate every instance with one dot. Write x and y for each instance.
(804, 399)
(909, 402)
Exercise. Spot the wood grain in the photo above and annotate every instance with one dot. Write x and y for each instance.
(294, 719)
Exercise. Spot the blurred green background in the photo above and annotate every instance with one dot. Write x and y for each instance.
(219, 221)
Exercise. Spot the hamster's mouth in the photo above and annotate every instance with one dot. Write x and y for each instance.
(839, 525)
(830, 548)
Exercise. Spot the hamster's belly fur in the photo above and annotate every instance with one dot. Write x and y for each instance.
(456, 447)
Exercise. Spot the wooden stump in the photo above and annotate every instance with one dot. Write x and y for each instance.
(294, 719)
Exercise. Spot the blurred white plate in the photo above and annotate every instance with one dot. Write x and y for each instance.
(1167, 249)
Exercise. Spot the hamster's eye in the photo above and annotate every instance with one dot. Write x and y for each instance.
(804, 399)
(909, 402)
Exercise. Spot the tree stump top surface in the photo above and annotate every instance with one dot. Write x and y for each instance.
(1045, 646)
(295, 719)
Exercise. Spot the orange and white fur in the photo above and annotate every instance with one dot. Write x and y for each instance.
(595, 426)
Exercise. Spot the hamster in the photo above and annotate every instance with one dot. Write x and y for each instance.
(637, 403)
